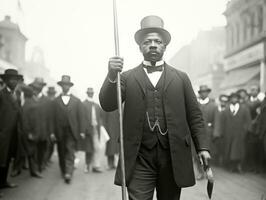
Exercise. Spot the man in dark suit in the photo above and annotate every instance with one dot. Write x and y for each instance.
(43, 120)
(69, 126)
(161, 115)
(30, 130)
(235, 121)
(10, 119)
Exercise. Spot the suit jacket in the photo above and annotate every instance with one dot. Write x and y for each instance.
(10, 121)
(75, 117)
(183, 117)
(43, 118)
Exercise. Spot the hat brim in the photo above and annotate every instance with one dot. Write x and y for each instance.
(65, 83)
(207, 90)
(6, 76)
(139, 35)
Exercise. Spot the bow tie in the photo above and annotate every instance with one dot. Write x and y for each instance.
(151, 69)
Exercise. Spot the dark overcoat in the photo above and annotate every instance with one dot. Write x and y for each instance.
(234, 129)
(183, 117)
(75, 117)
(86, 144)
(10, 123)
(112, 128)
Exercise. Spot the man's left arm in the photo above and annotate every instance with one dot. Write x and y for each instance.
(195, 120)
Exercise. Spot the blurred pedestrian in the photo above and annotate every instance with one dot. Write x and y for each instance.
(91, 143)
(30, 127)
(243, 96)
(68, 126)
(10, 119)
(218, 136)
(161, 115)
(208, 108)
(261, 132)
(112, 146)
(235, 122)
(43, 119)
(51, 94)
(253, 141)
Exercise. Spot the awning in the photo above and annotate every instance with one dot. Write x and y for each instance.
(239, 77)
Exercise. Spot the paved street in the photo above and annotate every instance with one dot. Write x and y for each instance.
(93, 186)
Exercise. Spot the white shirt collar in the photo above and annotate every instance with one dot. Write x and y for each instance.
(90, 99)
(148, 63)
(234, 108)
(252, 99)
(204, 101)
(67, 94)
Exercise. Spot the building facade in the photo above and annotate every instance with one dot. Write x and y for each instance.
(245, 45)
(203, 59)
(12, 45)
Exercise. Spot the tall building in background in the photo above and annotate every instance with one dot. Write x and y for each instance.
(203, 59)
(12, 45)
(245, 44)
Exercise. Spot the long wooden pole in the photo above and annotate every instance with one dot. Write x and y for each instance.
(119, 102)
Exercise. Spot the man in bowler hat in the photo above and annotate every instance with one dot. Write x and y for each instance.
(10, 122)
(69, 126)
(161, 115)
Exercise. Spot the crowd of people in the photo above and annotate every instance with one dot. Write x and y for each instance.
(33, 123)
(236, 128)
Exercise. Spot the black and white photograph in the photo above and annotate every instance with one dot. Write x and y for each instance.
(133, 100)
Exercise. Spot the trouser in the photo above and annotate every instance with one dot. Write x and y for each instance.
(111, 161)
(3, 174)
(153, 170)
(96, 160)
(88, 158)
(41, 154)
(66, 147)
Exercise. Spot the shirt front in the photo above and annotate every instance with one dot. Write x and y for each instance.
(234, 108)
(65, 98)
(154, 77)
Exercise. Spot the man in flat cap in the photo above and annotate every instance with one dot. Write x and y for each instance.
(69, 126)
(10, 121)
(161, 115)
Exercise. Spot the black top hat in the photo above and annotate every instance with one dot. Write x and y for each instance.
(66, 80)
(38, 83)
(204, 88)
(51, 90)
(152, 24)
(11, 73)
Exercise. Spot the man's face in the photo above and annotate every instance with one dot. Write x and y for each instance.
(204, 94)
(90, 94)
(234, 100)
(254, 91)
(12, 82)
(152, 47)
(65, 88)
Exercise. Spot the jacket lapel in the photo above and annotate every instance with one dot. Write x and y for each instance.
(169, 76)
(140, 77)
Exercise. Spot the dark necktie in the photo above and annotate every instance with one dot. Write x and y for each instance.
(151, 69)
